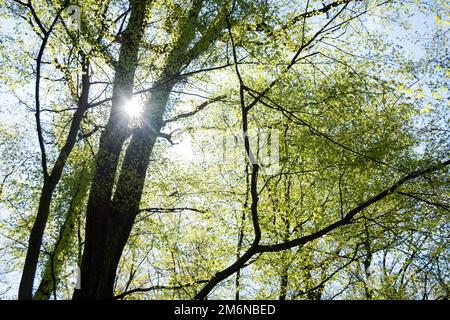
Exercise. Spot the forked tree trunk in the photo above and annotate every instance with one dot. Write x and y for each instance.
(105, 226)
(110, 218)
(108, 225)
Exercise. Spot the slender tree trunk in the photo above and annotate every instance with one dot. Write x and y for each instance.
(105, 226)
(35, 241)
(241, 230)
(367, 263)
(284, 280)
(50, 183)
(50, 277)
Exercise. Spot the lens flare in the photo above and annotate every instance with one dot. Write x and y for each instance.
(133, 108)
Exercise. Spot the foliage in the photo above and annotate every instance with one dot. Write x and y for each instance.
(356, 90)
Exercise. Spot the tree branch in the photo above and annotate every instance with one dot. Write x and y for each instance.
(195, 111)
(349, 216)
(255, 249)
(181, 286)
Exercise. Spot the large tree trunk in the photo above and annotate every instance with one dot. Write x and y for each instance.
(108, 226)
(109, 231)
(109, 219)
(105, 226)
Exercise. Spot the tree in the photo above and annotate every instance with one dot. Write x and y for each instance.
(362, 159)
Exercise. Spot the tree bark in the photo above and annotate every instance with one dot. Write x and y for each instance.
(105, 226)
(50, 183)
(50, 276)
(110, 217)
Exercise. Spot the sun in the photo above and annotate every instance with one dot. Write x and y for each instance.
(133, 107)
